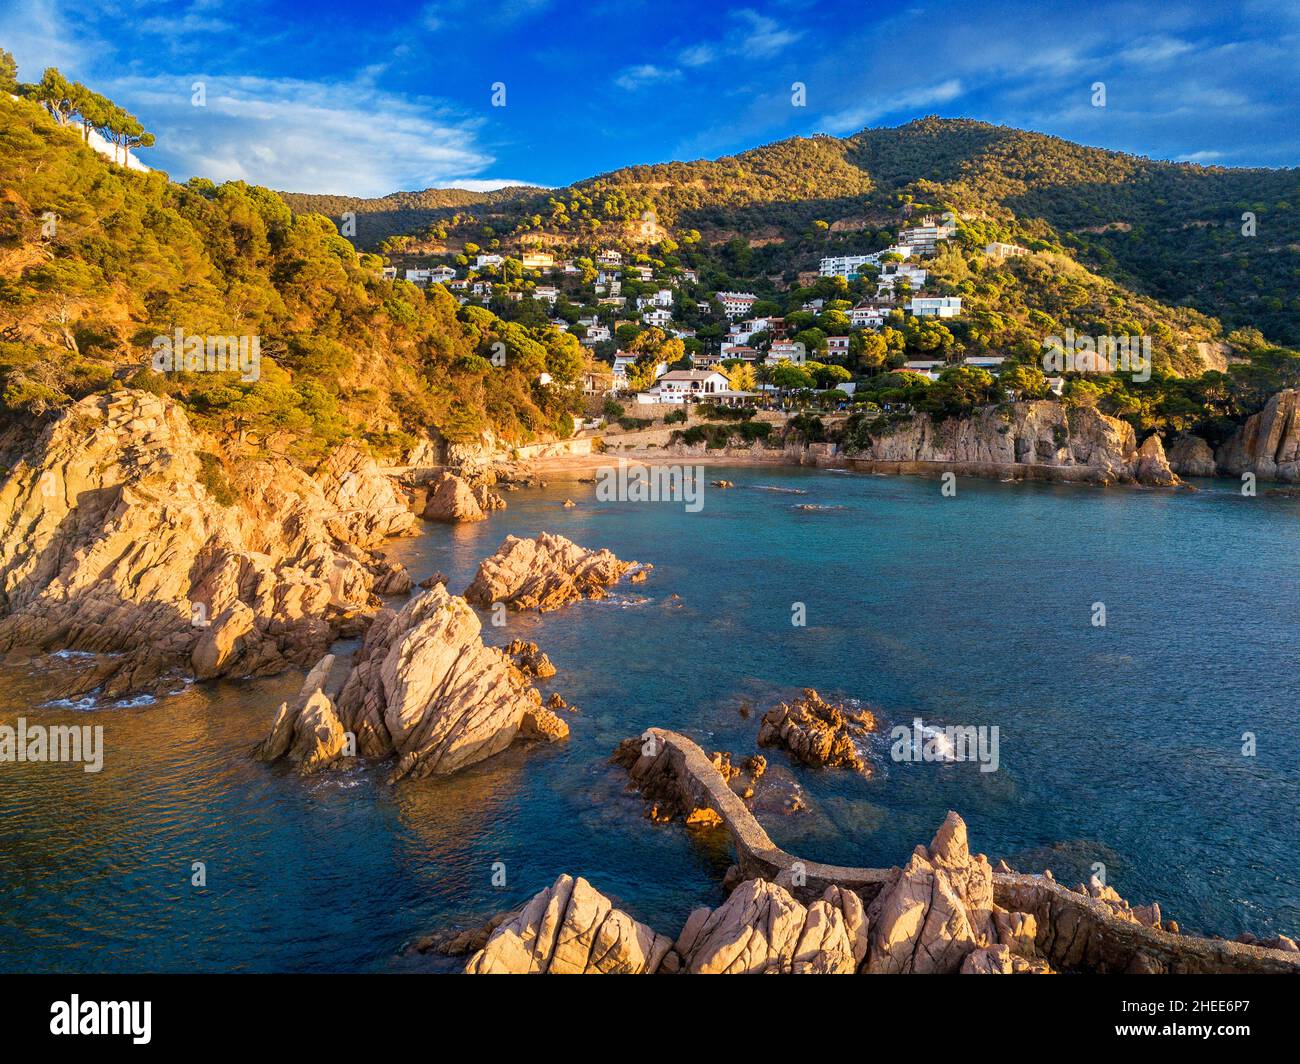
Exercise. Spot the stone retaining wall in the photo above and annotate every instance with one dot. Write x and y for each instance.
(1075, 932)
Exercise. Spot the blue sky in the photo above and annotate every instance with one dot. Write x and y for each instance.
(369, 98)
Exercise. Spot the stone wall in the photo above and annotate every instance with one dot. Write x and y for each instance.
(1075, 932)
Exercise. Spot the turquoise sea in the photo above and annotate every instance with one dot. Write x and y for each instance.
(1121, 744)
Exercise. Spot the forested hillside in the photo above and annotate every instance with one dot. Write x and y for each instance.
(96, 262)
(1169, 231)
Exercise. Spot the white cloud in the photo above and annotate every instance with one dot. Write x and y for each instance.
(762, 37)
(306, 137)
(636, 77)
(852, 119)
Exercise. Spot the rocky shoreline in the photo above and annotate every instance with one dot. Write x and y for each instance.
(124, 538)
(946, 911)
(1040, 440)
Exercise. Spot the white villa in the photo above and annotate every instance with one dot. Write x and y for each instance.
(925, 236)
(736, 304)
(432, 275)
(1004, 251)
(785, 351)
(850, 266)
(866, 315)
(936, 306)
(487, 260)
(547, 292)
(681, 385)
(658, 317)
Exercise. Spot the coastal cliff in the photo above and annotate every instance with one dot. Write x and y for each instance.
(121, 536)
(1268, 444)
(1080, 442)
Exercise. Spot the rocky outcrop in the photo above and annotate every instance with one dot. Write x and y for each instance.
(425, 688)
(450, 498)
(571, 929)
(529, 659)
(120, 537)
(1191, 456)
(1151, 466)
(308, 731)
(938, 909)
(946, 905)
(367, 508)
(1268, 445)
(817, 732)
(544, 573)
(1040, 433)
(762, 930)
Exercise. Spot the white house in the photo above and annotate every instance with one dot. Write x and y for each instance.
(658, 317)
(1000, 251)
(596, 334)
(390, 273)
(786, 351)
(538, 260)
(837, 346)
(925, 236)
(936, 306)
(990, 362)
(741, 351)
(679, 385)
(488, 260)
(547, 292)
(609, 257)
(868, 316)
(736, 304)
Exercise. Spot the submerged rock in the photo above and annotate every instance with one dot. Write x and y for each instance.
(571, 929)
(817, 732)
(424, 687)
(544, 573)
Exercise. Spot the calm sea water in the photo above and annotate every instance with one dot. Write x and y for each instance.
(1120, 744)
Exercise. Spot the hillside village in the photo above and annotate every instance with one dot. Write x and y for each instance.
(733, 347)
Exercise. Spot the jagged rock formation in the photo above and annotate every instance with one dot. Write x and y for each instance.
(762, 930)
(938, 909)
(424, 687)
(816, 732)
(308, 732)
(110, 542)
(571, 929)
(1191, 456)
(452, 499)
(946, 906)
(529, 659)
(367, 507)
(1268, 445)
(1039, 433)
(544, 573)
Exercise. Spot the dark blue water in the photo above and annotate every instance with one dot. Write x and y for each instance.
(1120, 744)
